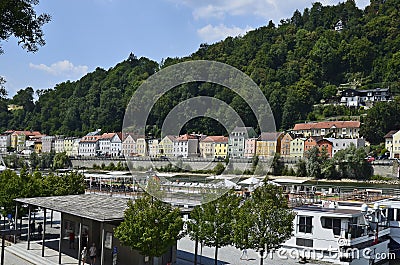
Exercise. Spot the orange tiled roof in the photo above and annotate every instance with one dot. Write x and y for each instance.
(185, 137)
(90, 139)
(216, 139)
(27, 133)
(326, 125)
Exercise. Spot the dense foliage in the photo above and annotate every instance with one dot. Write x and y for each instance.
(350, 163)
(26, 185)
(297, 64)
(18, 18)
(264, 221)
(261, 222)
(150, 226)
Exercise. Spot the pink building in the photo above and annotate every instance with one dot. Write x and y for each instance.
(250, 147)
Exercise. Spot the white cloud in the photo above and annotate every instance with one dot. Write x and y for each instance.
(266, 9)
(211, 33)
(61, 68)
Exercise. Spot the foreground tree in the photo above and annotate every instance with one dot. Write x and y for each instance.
(150, 226)
(212, 222)
(264, 221)
(18, 18)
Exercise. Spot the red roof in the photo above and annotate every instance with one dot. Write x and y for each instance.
(90, 139)
(185, 137)
(216, 139)
(27, 133)
(390, 134)
(326, 125)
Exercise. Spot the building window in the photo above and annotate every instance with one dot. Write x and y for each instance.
(305, 224)
(304, 242)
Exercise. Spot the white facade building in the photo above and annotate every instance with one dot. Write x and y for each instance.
(5, 141)
(186, 146)
(59, 145)
(89, 145)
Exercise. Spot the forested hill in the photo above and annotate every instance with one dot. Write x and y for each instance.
(297, 63)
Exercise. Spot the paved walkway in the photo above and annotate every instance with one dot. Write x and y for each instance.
(226, 256)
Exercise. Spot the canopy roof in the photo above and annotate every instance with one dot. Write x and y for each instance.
(90, 206)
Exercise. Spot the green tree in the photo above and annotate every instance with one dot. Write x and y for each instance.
(61, 160)
(264, 221)
(18, 18)
(313, 163)
(34, 160)
(352, 163)
(214, 222)
(218, 169)
(150, 226)
(277, 165)
(301, 168)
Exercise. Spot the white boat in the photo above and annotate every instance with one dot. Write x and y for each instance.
(341, 233)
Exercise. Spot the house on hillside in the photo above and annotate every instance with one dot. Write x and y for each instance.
(355, 98)
(285, 145)
(325, 145)
(335, 129)
(389, 142)
(396, 145)
(339, 26)
(5, 142)
(297, 147)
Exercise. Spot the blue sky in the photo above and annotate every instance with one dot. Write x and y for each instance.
(85, 34)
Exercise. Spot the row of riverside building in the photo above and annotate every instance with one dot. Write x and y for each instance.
(243, 142)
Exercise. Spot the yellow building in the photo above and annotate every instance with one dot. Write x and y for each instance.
(38, 147)
(68, 144)
(141, 147)
(214, 147)
(166, 146)
(297, 147)
(268, 144)
(396, 145)
(221, 148)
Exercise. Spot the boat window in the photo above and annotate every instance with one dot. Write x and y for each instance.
(332, 223)
(304, 242)
(305, 224)
(398, 215)
(390, 214)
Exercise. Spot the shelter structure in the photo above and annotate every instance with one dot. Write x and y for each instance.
(92, 218)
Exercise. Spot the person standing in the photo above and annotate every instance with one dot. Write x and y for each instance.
(92, 254)
(244, 255)
(40, 230)
(84, 255)
(72, 240)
